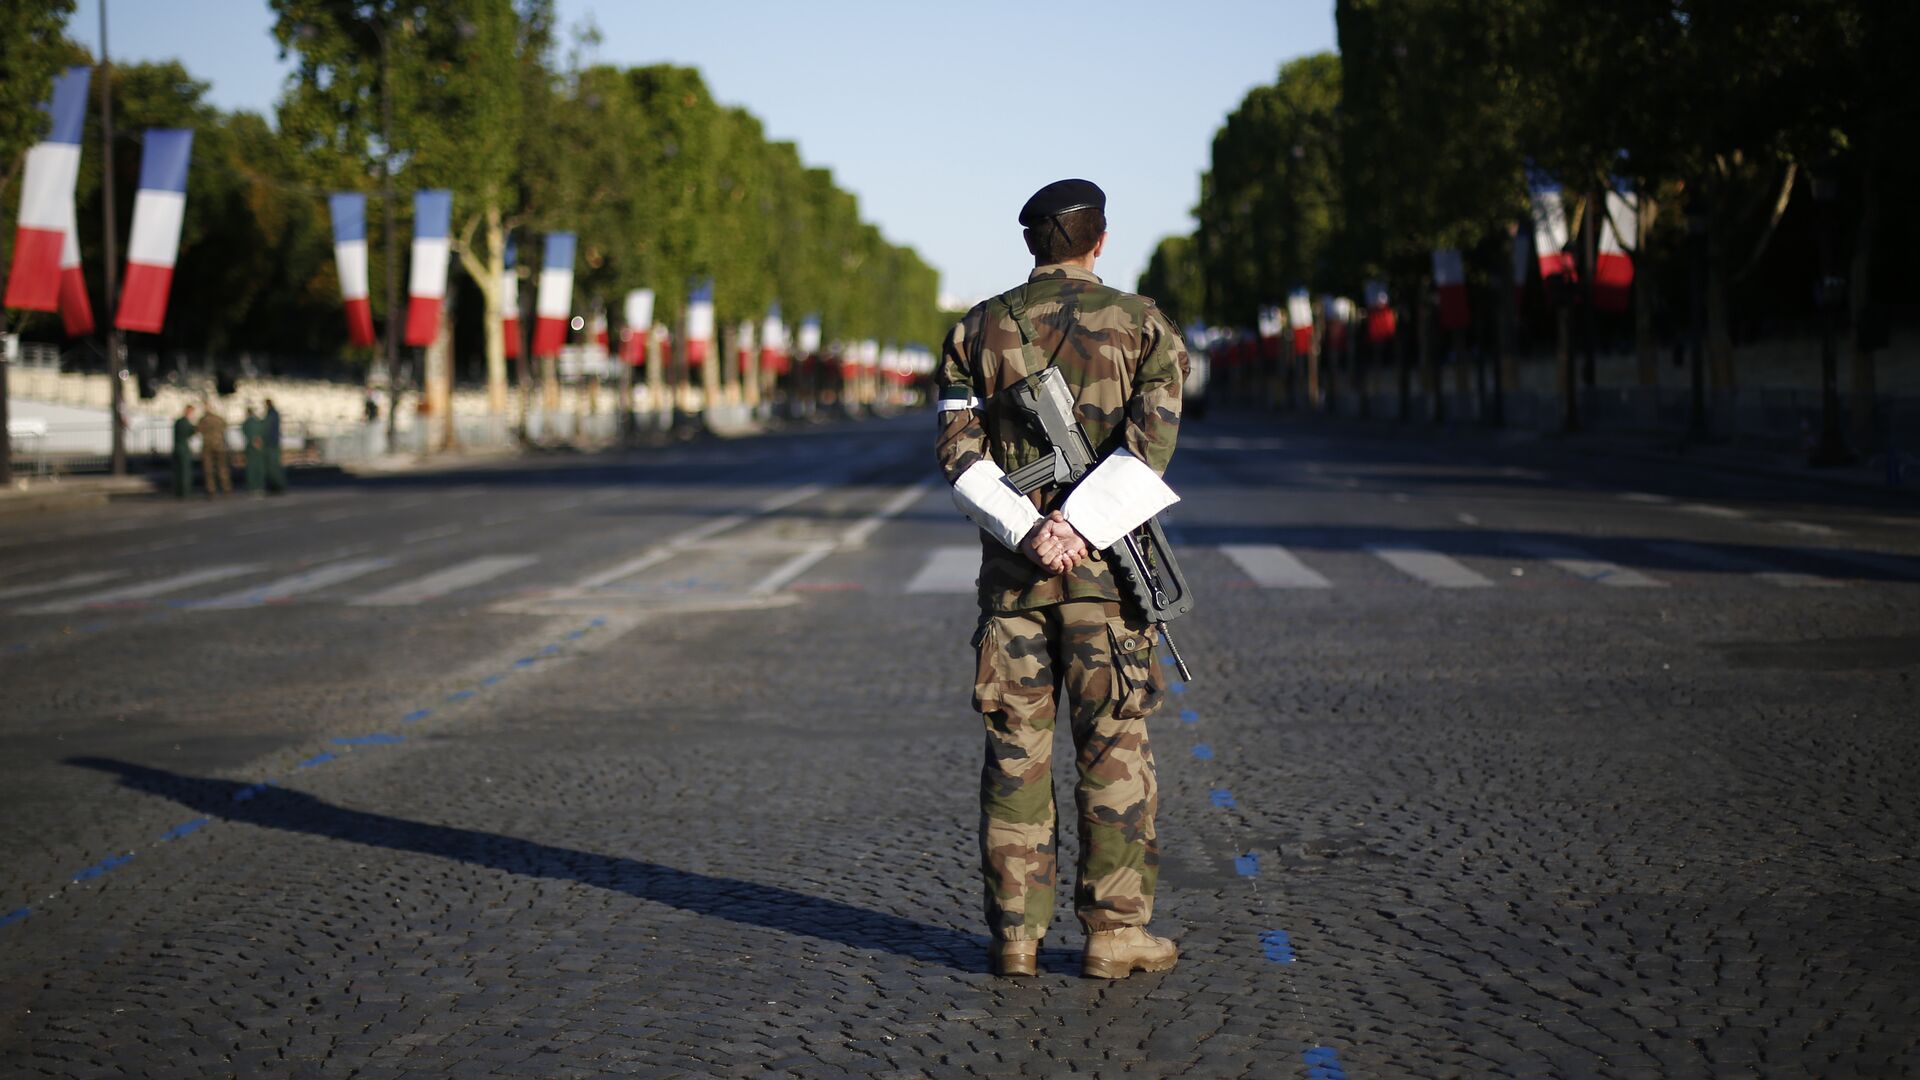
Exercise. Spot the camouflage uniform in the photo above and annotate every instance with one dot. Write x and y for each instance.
(1124, 362)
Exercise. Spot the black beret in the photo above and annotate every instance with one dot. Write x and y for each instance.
(1062, 197)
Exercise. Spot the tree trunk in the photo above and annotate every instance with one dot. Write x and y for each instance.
(1423, 339)
(486, 272)
(1563, 361)
(710, 371)
(437, 385)
(1719, 320)
(1646, 349)
(1860, 356)
(656, 380)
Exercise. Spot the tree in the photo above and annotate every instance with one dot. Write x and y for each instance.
(1173, 277)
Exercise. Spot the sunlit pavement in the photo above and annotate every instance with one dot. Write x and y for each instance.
(1496, 761)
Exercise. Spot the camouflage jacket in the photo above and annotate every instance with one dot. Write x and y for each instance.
(1124, 362)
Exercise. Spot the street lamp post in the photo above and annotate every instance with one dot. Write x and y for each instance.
(1698, 222)
(1830, 294)
(116, 345)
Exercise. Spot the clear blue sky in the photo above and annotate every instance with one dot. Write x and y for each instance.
(943, 118)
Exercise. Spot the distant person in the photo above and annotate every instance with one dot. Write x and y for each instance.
(371, 408)
(253, 436)
(213, 453)
(276, 473)
(183, 432)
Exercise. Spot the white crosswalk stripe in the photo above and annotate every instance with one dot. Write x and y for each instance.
(134, 593)
(948, 570)
(75, 581)
(299, 584)
(1727, 562)
(1580, 565)
(452, 579)
(1271, 566)
(1437, 570)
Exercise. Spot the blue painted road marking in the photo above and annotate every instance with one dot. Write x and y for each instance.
(1277, 946)
(1247, 865)
(1222, 798)
(1189, 716)
(492, 680)
(186, 828)
(378, 738)
(1323, 1063)
(460, 695)
(251, 790)
(417, 714)
(316, 760)
(1203, 751)
(15, 916)
(1178, 688)
(111, 862)
(525, 661)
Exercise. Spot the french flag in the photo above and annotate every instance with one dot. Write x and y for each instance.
(743, 347)
(773, 341)
(638, 317)
(1613, 264)
(1380, 320)
(699, 321)
(510, 304)
(427, 277)
(1550, 233)
(349, 212)
(76, 311)
(1300, 315)
(809, 337)
(554, 301)
(46, 200)
(1450, 279)
(1271, 324)
(1337, 313)
(154, 242)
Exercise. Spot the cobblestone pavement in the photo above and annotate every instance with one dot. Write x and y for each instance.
(661, 765)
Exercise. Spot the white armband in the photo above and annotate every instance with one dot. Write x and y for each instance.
(1115, 498)
(983, 494)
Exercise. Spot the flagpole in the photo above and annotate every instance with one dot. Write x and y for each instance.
(115, 344)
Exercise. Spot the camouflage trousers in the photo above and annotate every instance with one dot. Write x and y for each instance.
(1103, 659)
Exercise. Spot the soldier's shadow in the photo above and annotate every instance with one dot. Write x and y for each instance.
(750, 903)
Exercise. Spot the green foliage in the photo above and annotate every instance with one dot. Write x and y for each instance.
(33, 50)
(1174, 278)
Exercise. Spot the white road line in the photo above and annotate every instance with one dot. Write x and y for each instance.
(1274, 567)
(75, 581)
(342, 515)
(673, 545)
(1465, 518)
(430, 534)
(1440, 571)
(793, 567)
(1643, 497)
(435, 585)
(1727, 562)
(297, 585)
(1874, 560)
(1712, 511)
(1580, 565)
(863, 530)
(150, 589)
(1808, 528)
(948, 570)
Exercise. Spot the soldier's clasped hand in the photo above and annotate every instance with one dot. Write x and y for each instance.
(1055, 545)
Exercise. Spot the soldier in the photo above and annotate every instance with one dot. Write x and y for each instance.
(213, 452)
(183, 452)
(276, 473)
(1051, 611)
(253, 438)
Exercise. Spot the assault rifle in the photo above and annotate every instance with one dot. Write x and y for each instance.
(1142, 559)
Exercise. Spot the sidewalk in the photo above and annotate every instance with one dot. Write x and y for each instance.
(39, 494)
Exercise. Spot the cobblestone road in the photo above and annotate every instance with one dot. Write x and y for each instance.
(1496, 762)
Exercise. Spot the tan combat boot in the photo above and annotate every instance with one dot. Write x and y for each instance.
(1116, 954)
(1016, 957)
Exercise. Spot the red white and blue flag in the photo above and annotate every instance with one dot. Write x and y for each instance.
(510, 304)
(154, 242)
(1613, 264)
(1450, 280)
(553, 304)
(699, 321)
(638, 317)
(46, 199)
(427, 276)
(1550, 233)
(1380, 320)
(349, 212)
(1300, 317)
(76, 311)
(773, 341)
